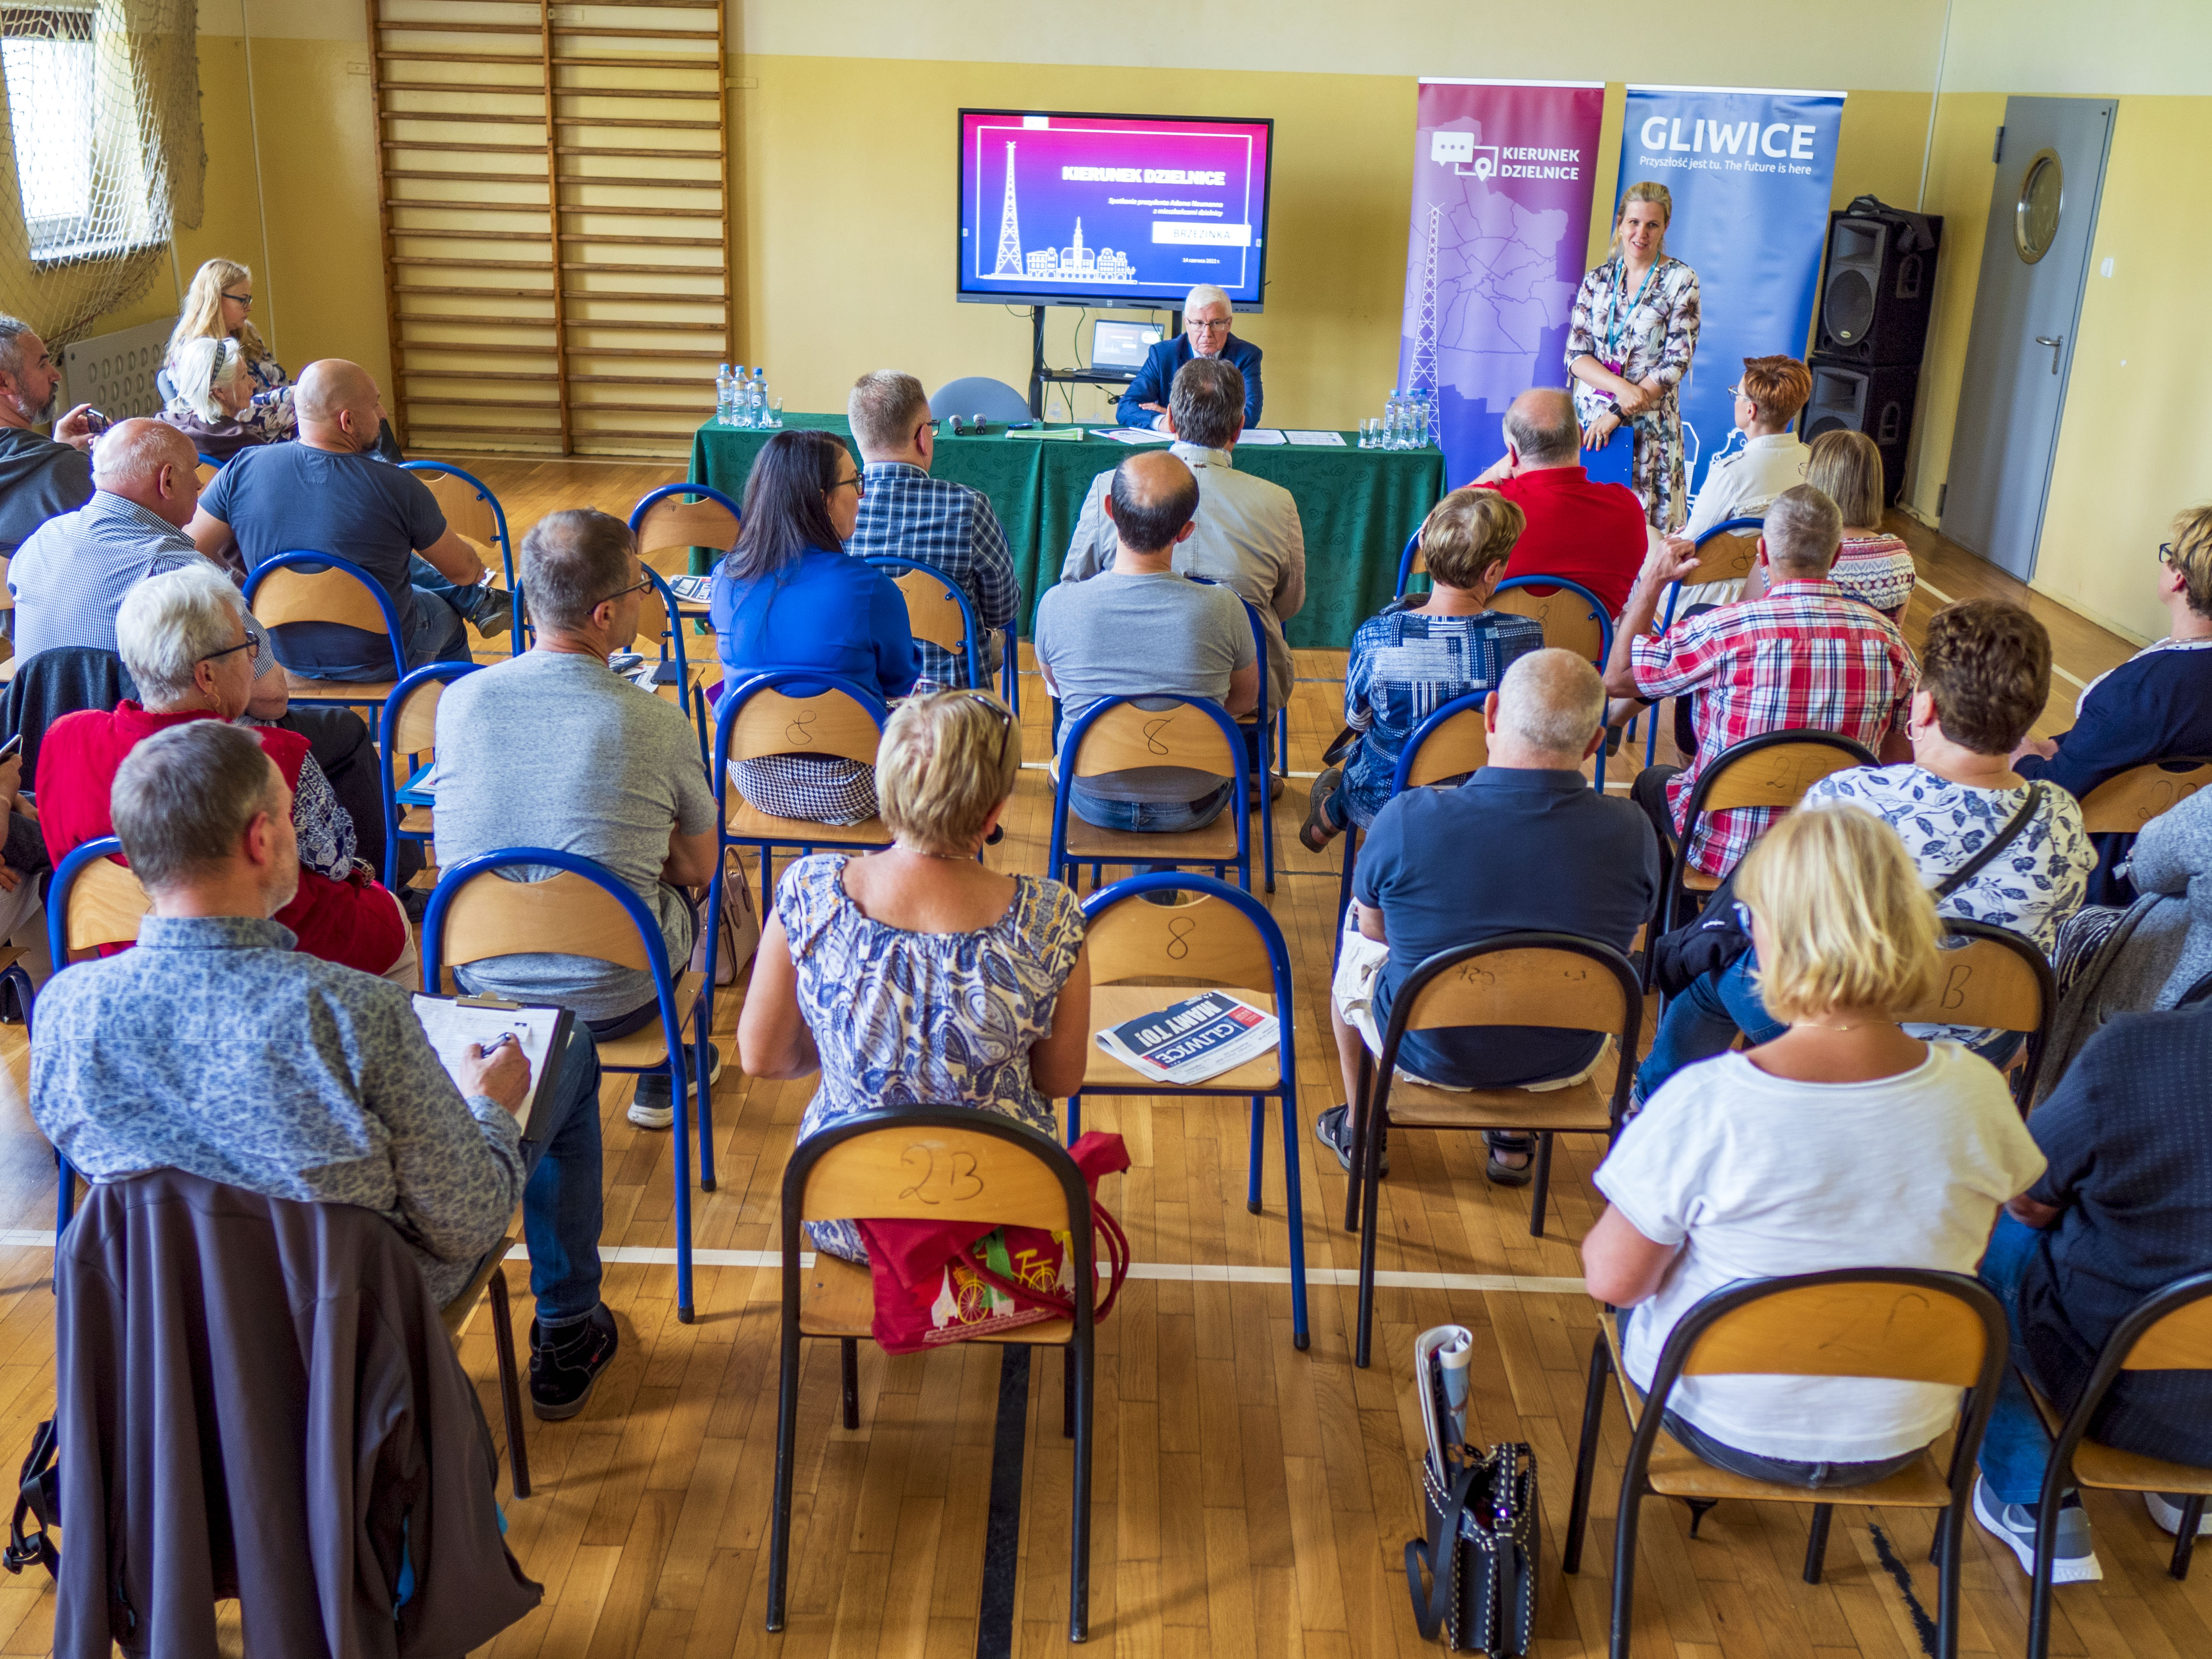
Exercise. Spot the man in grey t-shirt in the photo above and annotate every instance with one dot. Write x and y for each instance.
(1139, 628)
(552, 749)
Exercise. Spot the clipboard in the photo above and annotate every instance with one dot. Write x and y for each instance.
(451, 1023)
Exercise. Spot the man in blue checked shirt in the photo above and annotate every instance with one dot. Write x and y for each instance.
(934, 521)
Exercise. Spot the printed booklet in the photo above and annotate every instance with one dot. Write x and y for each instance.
(1200, 1037)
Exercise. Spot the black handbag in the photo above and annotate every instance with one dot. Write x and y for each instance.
(1479, 1556)
(37, 1497)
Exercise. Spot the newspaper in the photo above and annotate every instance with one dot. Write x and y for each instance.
(1192, 1040)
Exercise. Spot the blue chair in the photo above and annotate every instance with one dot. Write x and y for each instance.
(682, 516)
(90, 902)
(302, 586)
(979, 394)
(581, 909)
(1725, 554)
(1226, 940)
(1115, 734)
(791, 711)
(410, 730)
(474, 512)
(1259, 735)
(1572, 617)
(660, 625)
(1410, 563)
(1461, 743)
(938, 611)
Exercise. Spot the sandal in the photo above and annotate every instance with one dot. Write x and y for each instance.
(1511, 1174)
(1319, 829)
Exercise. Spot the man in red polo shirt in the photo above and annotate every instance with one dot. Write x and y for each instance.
(1591, 534)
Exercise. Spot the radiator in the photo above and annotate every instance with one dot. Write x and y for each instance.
(114, 373)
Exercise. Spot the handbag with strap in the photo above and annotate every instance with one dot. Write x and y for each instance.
(739, 935)
(39, 1498)
(1479, 1556)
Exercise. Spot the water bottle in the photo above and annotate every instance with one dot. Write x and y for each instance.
(726, 394)
(760, 394)
(1421, 417)
(1394, 423)
(757, 397)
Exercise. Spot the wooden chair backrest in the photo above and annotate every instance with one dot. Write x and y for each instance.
(206, 473)
(652, 621)
(1906, 1332)
(2182, 1341)
(671, 522)
(1421, 564)
(1461, 744)
(1982, 983)
(1535, 986)
(7, 598)
(1126, 737)
(467, 514)
(936, 1175)
(828, 723)
(106, 905)
(329, 595)
(563, 915)
(1204, 939)
(932, 613)
(1775, 776)
(1566, 618)
(2123, 804)
(414, 730)
(1725, 558)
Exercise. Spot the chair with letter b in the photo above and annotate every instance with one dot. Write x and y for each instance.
(1120, 734)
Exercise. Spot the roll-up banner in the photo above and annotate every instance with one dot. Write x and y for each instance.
(1750, 174)
(1502, 176)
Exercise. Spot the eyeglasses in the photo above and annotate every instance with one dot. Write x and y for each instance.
(249, 644)
(1199, 322)
(637, 586)
(2166, 552)
(246, 299)
(859, 488)
(1006, 719)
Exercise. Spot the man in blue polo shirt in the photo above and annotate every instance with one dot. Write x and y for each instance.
(1524, 844)
(1205, 312)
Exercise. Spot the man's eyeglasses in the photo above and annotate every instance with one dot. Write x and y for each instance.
(2166, 552)
(1200, 323)
(249, 644)
(637, 586)
(246, 299)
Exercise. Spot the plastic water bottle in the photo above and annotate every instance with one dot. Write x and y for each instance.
(726, 397)
(1394, 423)
(756, 399)
(760, 396)
(1422, 415)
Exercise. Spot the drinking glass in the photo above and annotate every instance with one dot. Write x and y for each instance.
(775, 413)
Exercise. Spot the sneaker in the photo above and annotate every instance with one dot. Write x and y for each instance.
(1332, 1129)
(2166, 1509)
(493, 613)
(2013, 1525)
(652, 1108)
(564, 1370)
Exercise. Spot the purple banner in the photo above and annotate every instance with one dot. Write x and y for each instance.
(1502, 185)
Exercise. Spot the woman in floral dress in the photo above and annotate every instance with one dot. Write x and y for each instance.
(1630, 341)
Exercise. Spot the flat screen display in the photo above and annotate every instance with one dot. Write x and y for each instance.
(1122, 345)
(1068, 209)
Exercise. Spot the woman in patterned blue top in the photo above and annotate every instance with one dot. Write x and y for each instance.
(917, 977)
(1414, 658)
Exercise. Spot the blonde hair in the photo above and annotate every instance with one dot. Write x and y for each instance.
(944, 762)
(200, 366)
(2192, 556)
(1467, 532)
(201, 315)
(1646, 190)
(1847, 466)
(1849, 923)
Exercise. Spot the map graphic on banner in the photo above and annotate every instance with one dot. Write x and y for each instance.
(1502, 185)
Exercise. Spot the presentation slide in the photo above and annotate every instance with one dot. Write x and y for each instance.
(1110, 209)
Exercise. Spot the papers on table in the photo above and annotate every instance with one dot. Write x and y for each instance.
(1262, 435)
(1317, 439)
(453, 1025)
(1064, 434)
(1130, 434)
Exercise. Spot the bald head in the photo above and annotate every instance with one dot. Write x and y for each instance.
(1541, 426)
(1151, 502)
(151, 464)
(338, 404)
(1548, 709)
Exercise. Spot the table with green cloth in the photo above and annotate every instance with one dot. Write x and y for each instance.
(1357, 506)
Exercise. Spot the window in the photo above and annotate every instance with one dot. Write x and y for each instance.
(74, 126)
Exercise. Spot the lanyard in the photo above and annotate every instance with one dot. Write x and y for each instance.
(1620, 312)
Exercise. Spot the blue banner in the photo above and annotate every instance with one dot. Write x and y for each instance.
(1750, 172)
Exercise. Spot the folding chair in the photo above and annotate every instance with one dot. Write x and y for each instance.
(1998, 979)
(899, 1165)
(581, 909)
(938, 611)
(320, 587)
(91, 902)
(1530, 978)
(2123, 805)
(1115, 734)
(1725, 554)
(1572, 617)
(1452, 742)
(474, 513)
(2170, 1330)
(1773, 769)
(1909, 1324)
(411, 733)
(1217, 939)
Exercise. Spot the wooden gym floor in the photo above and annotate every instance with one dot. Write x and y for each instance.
(1249, 1499)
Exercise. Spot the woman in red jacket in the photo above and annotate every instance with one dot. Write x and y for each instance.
(182, 636)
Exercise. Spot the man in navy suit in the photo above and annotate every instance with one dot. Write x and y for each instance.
(1206, 313)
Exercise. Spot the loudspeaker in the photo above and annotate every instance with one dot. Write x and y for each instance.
(1850, 397)
(1879, 287)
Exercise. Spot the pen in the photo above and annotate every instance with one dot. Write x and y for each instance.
(492, 1048)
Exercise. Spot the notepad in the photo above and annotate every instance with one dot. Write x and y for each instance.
(1317, 439)
(1061, 434)
(453, 1025)
(1131, 434)
(1262, 435)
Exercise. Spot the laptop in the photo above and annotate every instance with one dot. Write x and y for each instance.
(1122, 345)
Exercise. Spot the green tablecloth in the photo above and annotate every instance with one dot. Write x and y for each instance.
(1357, 506)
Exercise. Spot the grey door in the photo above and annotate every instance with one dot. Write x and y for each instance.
(2043, 215)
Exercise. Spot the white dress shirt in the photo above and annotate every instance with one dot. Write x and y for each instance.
(1741, 486)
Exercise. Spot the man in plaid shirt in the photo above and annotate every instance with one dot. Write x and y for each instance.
(1804, 655)
(934, 521)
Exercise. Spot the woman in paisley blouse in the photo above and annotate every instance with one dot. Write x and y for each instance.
(1872, 566)
(1633, 332)
(916, 976)
(219, 304)
(214, 405)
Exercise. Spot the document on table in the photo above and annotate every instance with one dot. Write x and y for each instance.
(1317, 439)
(1131, 434)
(453, 1025)
(1064, 434)
(1262, 435)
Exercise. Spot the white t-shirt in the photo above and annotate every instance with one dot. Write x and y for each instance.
(1741, 485)
(1764, 1176)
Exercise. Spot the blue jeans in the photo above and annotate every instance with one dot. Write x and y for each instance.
(1156, 816)
(441, 605)
(563, 1202)
(2016, 1449)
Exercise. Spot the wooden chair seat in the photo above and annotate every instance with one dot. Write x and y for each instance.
(455, 1314)
(838, 1298)
(417, 819)
(1216, 843)
(9, 956)
(2099, 1465)
(1696, 881)
(647, 1048)
(1578, 1110)
(8, 668)
(748, 822)
(1678, 1471)
(1110, 1005)
(302, 688)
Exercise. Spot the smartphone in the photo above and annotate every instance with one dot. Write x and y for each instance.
(9, 747)
(95, 422)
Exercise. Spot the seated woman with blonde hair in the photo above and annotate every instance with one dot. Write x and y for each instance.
(916, 976)
(219, 306)
(1842, 1143)
(1872, 566)
(214, 405)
